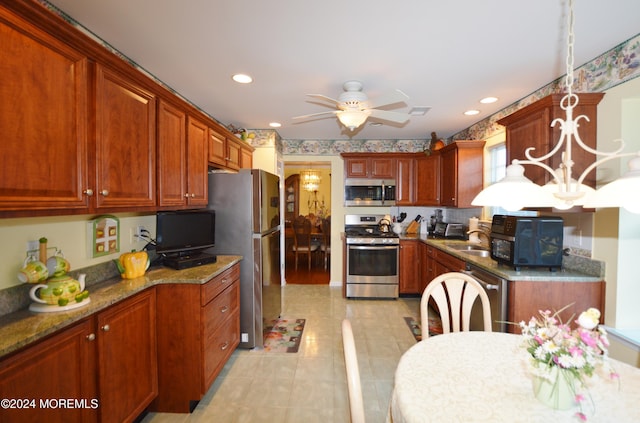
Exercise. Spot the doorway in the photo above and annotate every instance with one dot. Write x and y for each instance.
(310, 198)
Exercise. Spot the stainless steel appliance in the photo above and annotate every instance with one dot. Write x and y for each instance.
(449, 230)
(496, 289)
(248, 224)
(369, 192)
(527, 241)
(372, 258)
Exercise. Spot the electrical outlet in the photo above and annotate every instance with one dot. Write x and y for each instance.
(33, 249)
(135, 234)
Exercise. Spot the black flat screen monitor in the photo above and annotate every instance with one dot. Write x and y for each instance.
(185, 231)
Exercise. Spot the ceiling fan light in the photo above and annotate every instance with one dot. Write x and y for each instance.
(352, 119)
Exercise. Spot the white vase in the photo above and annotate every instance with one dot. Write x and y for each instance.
(559, 391)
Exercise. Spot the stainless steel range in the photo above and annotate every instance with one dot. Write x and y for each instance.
(372, 258)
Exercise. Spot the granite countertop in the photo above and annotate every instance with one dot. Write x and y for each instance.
(574, 269)
(23, 327)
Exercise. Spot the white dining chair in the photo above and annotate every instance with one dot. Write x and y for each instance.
(454, 294)
(356, 404)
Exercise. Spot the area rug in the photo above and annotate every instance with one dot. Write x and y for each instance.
(435, 327)
(283, 335)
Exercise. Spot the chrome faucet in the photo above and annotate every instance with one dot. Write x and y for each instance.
(482, 231)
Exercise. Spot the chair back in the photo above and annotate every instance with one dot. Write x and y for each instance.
(356, 404)
(301, 232)
(454, 294)
(326, 230)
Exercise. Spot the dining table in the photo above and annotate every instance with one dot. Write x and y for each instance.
(486, 377)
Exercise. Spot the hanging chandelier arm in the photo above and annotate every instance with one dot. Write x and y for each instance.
(539, 164)
(609, 156)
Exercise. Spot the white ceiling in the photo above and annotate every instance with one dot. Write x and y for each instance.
(443, 54)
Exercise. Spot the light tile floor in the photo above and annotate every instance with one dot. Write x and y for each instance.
(310, 386)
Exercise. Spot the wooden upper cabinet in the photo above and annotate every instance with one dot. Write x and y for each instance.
(531, 127)
(43, 120)
(197, 163)
(405, 182)
(462, 173)
(172, 163)
(233, 154)
(427, 180)
(217, 148)
(374, 165)
(246, 158)
(125, 157)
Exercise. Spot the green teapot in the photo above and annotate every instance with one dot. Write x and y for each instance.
(60, 290)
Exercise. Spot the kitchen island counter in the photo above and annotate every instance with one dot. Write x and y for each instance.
(24, 327)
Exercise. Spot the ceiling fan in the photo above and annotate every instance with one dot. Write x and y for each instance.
(354, 107)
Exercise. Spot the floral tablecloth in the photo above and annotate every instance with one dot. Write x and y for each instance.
(484, 377)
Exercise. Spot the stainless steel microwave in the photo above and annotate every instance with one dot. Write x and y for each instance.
(527, 241)
(369, 192)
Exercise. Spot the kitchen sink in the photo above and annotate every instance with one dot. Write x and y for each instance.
(471, 249)
(476, 252)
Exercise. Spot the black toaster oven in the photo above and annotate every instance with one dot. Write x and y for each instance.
(527, 241)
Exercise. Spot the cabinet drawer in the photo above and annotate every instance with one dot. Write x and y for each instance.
(218, 347)
(219, 283)
(217, 311)
(453, 264)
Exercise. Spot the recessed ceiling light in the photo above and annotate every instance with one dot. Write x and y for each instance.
(419, 110)
(472, 112)
(488, 100)
(275, 124)
(242, 78)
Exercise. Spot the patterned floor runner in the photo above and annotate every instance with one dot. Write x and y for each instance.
(435, 327)
(283, 335)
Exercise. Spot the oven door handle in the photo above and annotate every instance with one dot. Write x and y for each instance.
(378, 247)
(486, 285)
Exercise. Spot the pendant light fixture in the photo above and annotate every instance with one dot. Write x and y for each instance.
(310, 179)
(515, 191)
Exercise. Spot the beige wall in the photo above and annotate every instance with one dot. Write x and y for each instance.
(68, 233)
(617, 232)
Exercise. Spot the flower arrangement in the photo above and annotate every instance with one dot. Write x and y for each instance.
(574, 352)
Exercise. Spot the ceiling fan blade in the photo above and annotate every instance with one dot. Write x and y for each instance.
(389, 116)
(393, 97)
(316, 114)
(324, 97)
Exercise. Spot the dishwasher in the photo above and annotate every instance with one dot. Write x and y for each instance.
(496, 289)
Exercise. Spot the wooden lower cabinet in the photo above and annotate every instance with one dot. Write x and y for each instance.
(106, 362)
(62, 366)
(127, 357)
(198, 329)
(526, 298)
(409, 267)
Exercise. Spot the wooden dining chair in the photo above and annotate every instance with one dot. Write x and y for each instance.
(302, 239)
(454, 294)
(356, 403)
(325, 247)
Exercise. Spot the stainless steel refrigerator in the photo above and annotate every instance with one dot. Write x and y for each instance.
(247, 208)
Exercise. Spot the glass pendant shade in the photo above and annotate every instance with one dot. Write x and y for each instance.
(623, 192)
(352, 118)
(310, 180)
(513, 192)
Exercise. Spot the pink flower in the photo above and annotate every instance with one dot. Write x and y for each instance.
(587, 338)
(579, 398)
(581, 416)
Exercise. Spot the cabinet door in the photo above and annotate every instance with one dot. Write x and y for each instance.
(62, 366)
(43, 88)
(405, 187)
(426, 266)
(125, 159)
(233, 154)
(427, 181)
(409, 268)
(127, 360)
(531, 131)
(382, 167)
(172, 162)
(246, 158)
(217, 148)
(197, 163)
(449, 178)
(356, 167)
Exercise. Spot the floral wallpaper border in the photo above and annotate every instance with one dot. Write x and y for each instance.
(614, 67)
